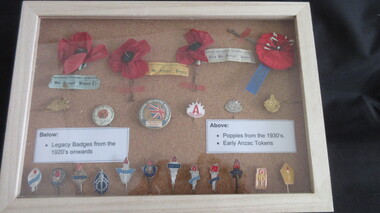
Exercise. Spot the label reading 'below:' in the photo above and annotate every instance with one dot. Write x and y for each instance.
(250, 136)
(85, 145)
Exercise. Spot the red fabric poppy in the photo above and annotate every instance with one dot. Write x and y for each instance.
(127, 59)
(75, 53)
(198, 41)
(275, 51)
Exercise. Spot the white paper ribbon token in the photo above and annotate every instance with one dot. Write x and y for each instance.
(103, 115)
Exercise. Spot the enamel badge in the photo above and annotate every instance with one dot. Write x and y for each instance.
(57, 177)
(214, 171)
(233, 106)
(272, 105)
(34, 178)
(149, 171)
(101, 182)
(287, 173)
(79, 177)
(236, 173)
(195, 110)
(155, 114)
(125, 173)
(194, 172)
(103, 115)
(173, 167)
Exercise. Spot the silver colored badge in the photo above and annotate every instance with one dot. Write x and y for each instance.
(79, 177)
(34, 178)
(173, 166)
(101, 182)
(233, 106)
(103, 115)
(125, 173)
(155, 114)
(194, 172)
(57, 177)
(195, 110)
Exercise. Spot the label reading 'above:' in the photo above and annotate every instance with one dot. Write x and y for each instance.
(250, 136)
(81, 145)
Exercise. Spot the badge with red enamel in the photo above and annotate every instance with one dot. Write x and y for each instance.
(34, 178)
(57, 177)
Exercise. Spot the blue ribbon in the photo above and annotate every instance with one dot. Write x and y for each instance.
(214, 179)
(194, 179)
(258, 79)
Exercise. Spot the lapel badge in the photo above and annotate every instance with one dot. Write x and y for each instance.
(79, 177)
(195, 110)
(149, 171)
(272, 105)
(261, 182)
(57, 177)
(34, 178)
(194, 177)
(125, 173)
(155, 114)
(103, 115)
(214, 171)
(236, 173)
(287, 173)
(173, 166)
(101, 182)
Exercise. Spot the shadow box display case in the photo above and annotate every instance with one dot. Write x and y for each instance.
(165, 107)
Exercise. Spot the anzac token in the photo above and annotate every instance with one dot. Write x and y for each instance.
(103, 115)
(155, 114)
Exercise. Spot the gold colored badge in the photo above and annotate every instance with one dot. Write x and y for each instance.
(287, 173)
(59, 104)
(272, 105)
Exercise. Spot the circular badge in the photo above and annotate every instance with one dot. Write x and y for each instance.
(103, 115)
(155, 114)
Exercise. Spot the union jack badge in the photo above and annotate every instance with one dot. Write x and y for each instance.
(155, 114)
(34, 178)
(101, 182)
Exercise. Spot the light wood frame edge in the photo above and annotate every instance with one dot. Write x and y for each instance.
(15, 139)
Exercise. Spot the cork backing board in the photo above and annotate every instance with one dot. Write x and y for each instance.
(183, 136)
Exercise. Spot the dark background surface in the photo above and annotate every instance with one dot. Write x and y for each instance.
(347, 38)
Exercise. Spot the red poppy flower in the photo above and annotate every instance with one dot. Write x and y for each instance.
(275, 51)
(127, 59)
(198, 41)
(75, 53)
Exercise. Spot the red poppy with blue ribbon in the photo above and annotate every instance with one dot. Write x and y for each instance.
(275, 51)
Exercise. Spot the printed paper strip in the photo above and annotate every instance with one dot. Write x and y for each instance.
(80, 82)
(229, 54)
(160, 68)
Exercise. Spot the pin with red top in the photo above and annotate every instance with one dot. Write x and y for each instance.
(57, 177)
(236, 173)
(125, 173)
(194, 177)
(149, 171)
(79, 177)
(34, 178)
(214, 171)
(173, 166)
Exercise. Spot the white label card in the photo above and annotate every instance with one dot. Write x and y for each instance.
(250, 136)
(229, 54)
(81, 145)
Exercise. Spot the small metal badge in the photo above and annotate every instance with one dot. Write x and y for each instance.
(34, 178)
(101, 182)
(79, 177)
(194, 177)
(59, 104)
(287, 173)
(261, 182)
(155, 114)
(236, 173)
(195, 110)
(233, 106)
(125, 173)
(214, 171)
(173, 167)
(272, 105)
(149, 171)
(103, 115)
(57, 177)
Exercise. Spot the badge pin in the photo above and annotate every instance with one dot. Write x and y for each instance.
(261, 182)
(57, 177)
(233, 106)
(103, 115)
(155, 114)
(272, 105)
(287, 173)
(101, 182)
(236, 173)
(79, 177)
(34, 178)
(149, 171)
(195, 110)
(194, 177)
(173, 167)
(125, 173)
(214, 171)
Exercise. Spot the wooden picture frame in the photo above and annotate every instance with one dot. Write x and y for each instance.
(19, 109)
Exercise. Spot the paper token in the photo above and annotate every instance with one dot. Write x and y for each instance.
(195, 110)
(103, 115)
(155, 114)
(101, 182)
(34, 178)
